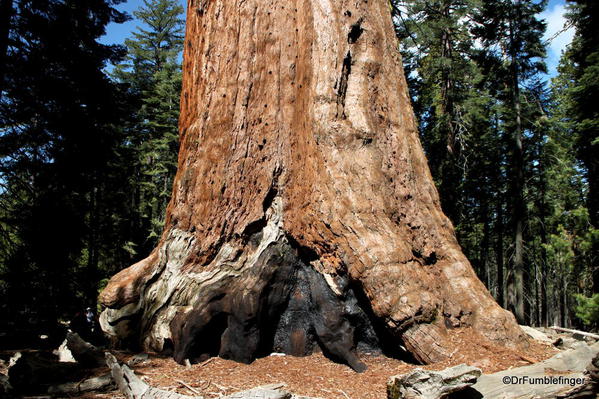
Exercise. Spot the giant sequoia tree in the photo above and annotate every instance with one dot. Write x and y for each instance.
(303, 213)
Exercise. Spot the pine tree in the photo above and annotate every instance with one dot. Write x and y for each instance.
(6, 11)
(58, 118)
(574, 238)
(153, 73)
(435, 37)
(584, 95)
(511, 34)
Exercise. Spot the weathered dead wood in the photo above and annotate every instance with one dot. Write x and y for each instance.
(427, 384)
(538, 335)
(101, 383)
(138, 359)
(205, 362)
(85, 353)
(569, 364)
(133, 387)
(590, 390)
(186, 385)
(64, 354)
(571, 331)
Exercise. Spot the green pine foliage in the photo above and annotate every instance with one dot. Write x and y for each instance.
(87, 158)
(152, 72)
(580, 93)
(437, 43)
(517, 179)
(587, 309)
(60, 118)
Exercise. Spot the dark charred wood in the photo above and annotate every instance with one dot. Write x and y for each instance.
(290, 309)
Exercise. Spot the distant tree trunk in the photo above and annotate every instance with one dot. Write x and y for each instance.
(544, 272)
(516, 280)
(449, 184)
(91, 271)
(562, 302)
(535, 314)
(499, 254)
(303, 213)
(485, 272)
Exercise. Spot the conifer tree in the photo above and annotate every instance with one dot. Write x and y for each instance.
(59, 114)
(436, 38)
(153, 73)
(511, 35)
(584, 96)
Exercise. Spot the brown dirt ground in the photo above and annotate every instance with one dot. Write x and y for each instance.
(319, 377)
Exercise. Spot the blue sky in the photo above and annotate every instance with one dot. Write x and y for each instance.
(554, 15)
(117, 33)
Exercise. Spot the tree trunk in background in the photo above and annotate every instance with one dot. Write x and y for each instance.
(515, 284)
(499, 255)
(303, 212)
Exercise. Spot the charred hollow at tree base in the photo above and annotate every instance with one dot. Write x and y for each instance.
(291, 310)
(303, 213)
(271, 299)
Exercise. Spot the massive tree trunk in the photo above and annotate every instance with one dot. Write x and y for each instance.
(303, 213)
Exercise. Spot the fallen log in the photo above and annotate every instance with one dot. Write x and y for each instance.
(134, 388)
(101, 383)
(591, 388)
(571, 331)
(551, 378)
(427, 384)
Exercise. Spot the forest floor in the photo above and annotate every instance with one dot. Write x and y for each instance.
(318, 376)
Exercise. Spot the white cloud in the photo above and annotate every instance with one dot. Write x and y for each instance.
(556, 21)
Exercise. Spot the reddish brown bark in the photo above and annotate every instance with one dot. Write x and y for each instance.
(303, 211)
